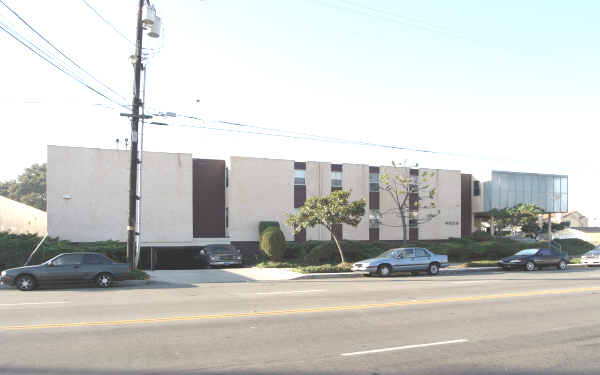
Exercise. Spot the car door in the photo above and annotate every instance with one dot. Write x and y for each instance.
(544, 257)
(65, 268)
(422, 259)
(92, 265)
(404, 260)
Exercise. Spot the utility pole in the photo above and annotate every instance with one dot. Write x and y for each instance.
(133, 167)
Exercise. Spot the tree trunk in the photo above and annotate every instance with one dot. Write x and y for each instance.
(404, 228)
(338, 246)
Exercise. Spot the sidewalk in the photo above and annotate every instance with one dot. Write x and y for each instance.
(232, 275)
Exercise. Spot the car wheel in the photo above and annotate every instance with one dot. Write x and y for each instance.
(530, 266)
(384, 270)
(104, 280)
(25, 282)
(562, 265)
(433, 269)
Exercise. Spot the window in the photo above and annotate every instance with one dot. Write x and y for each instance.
(373, 182)
(68, 259)
(407, 253)
(374, 219)
(336, 180)
(545, 252)
(476, 189)
(299, 176)
(226, 217)
(226, 177)
(95, 259)
(421, 253)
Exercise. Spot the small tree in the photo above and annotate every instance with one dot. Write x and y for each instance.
(409, 195)
(329, 211)
(29, 188)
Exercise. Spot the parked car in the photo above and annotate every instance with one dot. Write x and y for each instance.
(532, 259)
(68, 268)
(402, 260)
(218, 255)
(591, 258)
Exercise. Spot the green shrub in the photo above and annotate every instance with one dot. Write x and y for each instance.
(15, 249)
(327, 252)
(272, 243)
(481, 236)
(263, 225)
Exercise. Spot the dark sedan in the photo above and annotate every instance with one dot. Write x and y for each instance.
(67, 268)
(532, 259)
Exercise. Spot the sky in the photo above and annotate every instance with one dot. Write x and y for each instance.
(510, 85)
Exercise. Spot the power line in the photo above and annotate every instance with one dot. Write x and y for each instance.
(5, 28)
(317, 138)
(390, 17)
(108, 22)
(58, 50)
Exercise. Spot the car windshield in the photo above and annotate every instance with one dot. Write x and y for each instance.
(527, 252)
(593, 252)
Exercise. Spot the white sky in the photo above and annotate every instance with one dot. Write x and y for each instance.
(503, 86)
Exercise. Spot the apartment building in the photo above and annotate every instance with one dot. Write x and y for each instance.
(188, 201)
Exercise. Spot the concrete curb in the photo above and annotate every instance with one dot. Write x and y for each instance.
(446, 271)
(331, 275)
(134, 282)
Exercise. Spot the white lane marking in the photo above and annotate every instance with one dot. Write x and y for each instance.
(406, 347)
(31, 303)
(293, 291)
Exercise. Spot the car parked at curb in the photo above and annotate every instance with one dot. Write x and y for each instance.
(591, 258)
(535, 259)
(402, 260)
(218, 255)
(68, 268)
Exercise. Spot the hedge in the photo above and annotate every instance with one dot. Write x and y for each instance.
(16, 248)
(263, 225)
(272, 242)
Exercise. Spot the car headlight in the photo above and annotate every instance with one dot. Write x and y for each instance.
(516, 261)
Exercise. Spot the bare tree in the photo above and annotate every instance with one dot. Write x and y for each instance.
(411, 194)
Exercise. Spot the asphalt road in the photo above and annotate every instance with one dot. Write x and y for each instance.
(545, 322)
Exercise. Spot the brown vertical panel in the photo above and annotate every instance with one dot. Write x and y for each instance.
(373, 234)
(208, 198)
(466, 183)
(374, 200)
(300, 236)
(299, 165)
(413, 234)
(336, 167)
(373, 169)
(299, 195)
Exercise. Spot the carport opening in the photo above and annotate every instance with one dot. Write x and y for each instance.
(169, 258)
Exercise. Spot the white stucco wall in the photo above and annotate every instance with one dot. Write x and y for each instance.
(19, 218)
(355, 177)
(448, 202)
(259, 190)
(318, 184)
(88, 195)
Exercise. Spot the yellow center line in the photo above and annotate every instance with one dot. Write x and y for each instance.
(299, 311)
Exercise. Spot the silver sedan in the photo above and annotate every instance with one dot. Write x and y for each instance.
(402, 260)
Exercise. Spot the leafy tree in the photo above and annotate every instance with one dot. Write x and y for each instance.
(329, 211)
(28, 188)
(409, 194)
